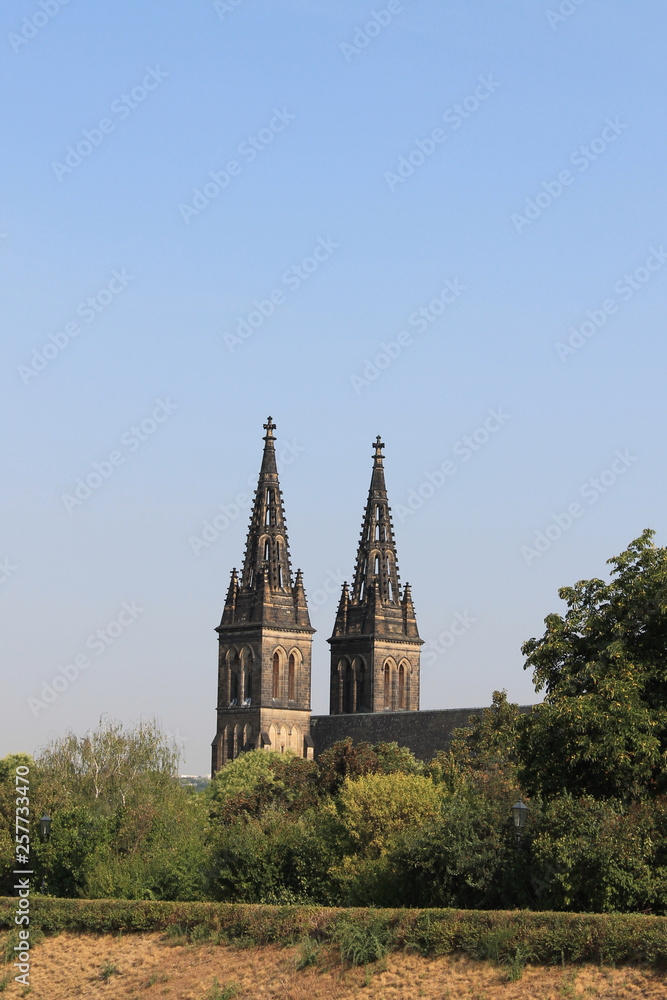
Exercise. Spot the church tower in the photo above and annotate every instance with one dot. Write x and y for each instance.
(265, 637)
(375, 646)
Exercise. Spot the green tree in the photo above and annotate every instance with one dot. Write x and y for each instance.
(489, 739)
(107, 764)
(600, 856)
(464, 856)
(123, 826)
(257, 780)
(602, 729)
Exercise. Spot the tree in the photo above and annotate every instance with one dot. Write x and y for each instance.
(107, 764)
(123, 826)
(343, 760)
(490, 739)
(602, 729)
(257, 780)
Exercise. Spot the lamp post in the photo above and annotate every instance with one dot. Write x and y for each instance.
(44, 833)
(519, 815)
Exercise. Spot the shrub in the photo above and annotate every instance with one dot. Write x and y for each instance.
(365, 941)
(108, 970)
(545, 937)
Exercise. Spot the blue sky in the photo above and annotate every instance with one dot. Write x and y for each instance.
(515, 151)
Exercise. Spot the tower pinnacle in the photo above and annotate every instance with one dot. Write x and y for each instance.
(265, 590)
(375, 642)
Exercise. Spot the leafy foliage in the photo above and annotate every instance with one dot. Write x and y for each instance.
(490, 739)
(602, 729)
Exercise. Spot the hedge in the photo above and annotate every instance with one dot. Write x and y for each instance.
(540, 937)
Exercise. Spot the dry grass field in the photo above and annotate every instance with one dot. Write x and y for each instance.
(69, 966)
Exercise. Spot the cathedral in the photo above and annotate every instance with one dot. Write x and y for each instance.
(265, 635)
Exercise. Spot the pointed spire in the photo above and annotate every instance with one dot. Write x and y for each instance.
(267, 534)
(300, 605)
(409, 618)
(265, 593)
(269, 467)
(376, 605)
(340, 626)
(230, 603)
(376, 555)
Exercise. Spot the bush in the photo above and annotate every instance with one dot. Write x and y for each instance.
(275, 858)
(464, 857)
(363, 941)
(545, 937)
(600, 856)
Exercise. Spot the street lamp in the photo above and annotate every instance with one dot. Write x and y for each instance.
(519, 815)
(44, 834)
(45, 827)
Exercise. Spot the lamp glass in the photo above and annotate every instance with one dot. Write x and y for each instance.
(520, 814)
(45, 826)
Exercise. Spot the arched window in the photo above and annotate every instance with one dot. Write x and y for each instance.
(266, 550)
(247, 682)
(361, 687)
(267, 519)
(401, 686)
(377, 566)
(391, 590)
(291, 678)
(234, 689)
(347, 692)
(276, 675)
(386, 685)
(377, 532)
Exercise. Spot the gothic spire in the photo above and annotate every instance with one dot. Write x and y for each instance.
(376, 556)
(265, 591)
(267, 534)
